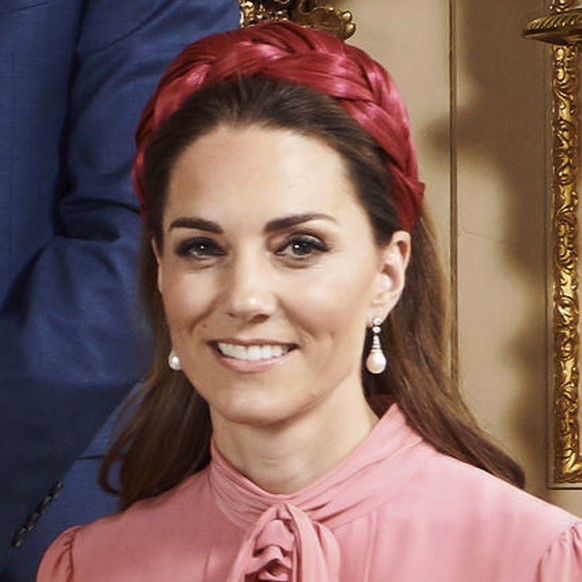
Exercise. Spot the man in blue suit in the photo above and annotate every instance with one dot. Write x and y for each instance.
(74, 77)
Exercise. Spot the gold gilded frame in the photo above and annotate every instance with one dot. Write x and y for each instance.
(304, 12)
(563, 28)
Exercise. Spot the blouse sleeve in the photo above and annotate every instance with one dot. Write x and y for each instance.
(57, 563)
(562, 562)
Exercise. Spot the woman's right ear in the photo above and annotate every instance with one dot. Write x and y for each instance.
(156, 252)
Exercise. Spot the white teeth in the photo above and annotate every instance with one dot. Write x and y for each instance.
(271, 352)
(252, 353)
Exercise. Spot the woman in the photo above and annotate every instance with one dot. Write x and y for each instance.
(286, 247)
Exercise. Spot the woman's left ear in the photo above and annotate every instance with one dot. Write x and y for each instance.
(393, 260)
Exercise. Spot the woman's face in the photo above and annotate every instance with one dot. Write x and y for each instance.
(269, 273)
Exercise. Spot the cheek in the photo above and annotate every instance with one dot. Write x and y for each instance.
(186, 299)
(334, 303)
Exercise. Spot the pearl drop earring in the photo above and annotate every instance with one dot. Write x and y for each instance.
(174, 361)
(376, 360)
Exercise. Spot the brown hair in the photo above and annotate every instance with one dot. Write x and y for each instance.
(168, 435)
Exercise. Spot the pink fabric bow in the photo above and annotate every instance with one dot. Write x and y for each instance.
(284, 545)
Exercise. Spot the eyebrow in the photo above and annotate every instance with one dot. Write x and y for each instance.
(274, 225)
(286, 222)
(196, 223)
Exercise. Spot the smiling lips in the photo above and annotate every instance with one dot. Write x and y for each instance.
(253, 352)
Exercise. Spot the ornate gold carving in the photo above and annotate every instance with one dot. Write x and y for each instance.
(563, 28)
(304, 12)
(566, 432)
(557, 6)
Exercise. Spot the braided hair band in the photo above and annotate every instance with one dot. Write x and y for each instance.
(315, 59)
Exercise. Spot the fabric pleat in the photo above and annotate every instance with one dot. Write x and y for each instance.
(286, 546)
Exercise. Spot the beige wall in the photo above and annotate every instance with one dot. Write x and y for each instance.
(476, 92)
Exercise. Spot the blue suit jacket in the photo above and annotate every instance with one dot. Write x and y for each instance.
(74, 77)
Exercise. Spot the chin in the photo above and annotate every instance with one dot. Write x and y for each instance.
(256, 418)
(257, 415)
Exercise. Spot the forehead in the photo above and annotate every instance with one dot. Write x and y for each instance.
(271, 171)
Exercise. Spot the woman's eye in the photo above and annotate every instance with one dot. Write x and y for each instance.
(199, 248)
(302, 247)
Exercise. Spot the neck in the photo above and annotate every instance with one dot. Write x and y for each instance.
(287, 456)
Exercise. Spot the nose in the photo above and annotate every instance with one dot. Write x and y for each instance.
(249, 291)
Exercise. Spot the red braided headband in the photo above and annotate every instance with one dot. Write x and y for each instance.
(286, 51)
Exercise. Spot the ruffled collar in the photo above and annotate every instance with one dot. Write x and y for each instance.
(288, 537)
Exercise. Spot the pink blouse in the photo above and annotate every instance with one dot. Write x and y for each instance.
(394, 510)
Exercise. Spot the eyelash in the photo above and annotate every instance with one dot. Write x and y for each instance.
(314, 245)
(205, 249)
(195, 248)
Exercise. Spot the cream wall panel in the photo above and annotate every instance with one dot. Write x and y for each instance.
(501, 236)
(411, 40)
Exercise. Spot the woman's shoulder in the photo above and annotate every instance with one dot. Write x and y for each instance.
(493, 512)
(81, 552)
(563, 559)
(477, 493)
(482, 525)
(57, 564)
